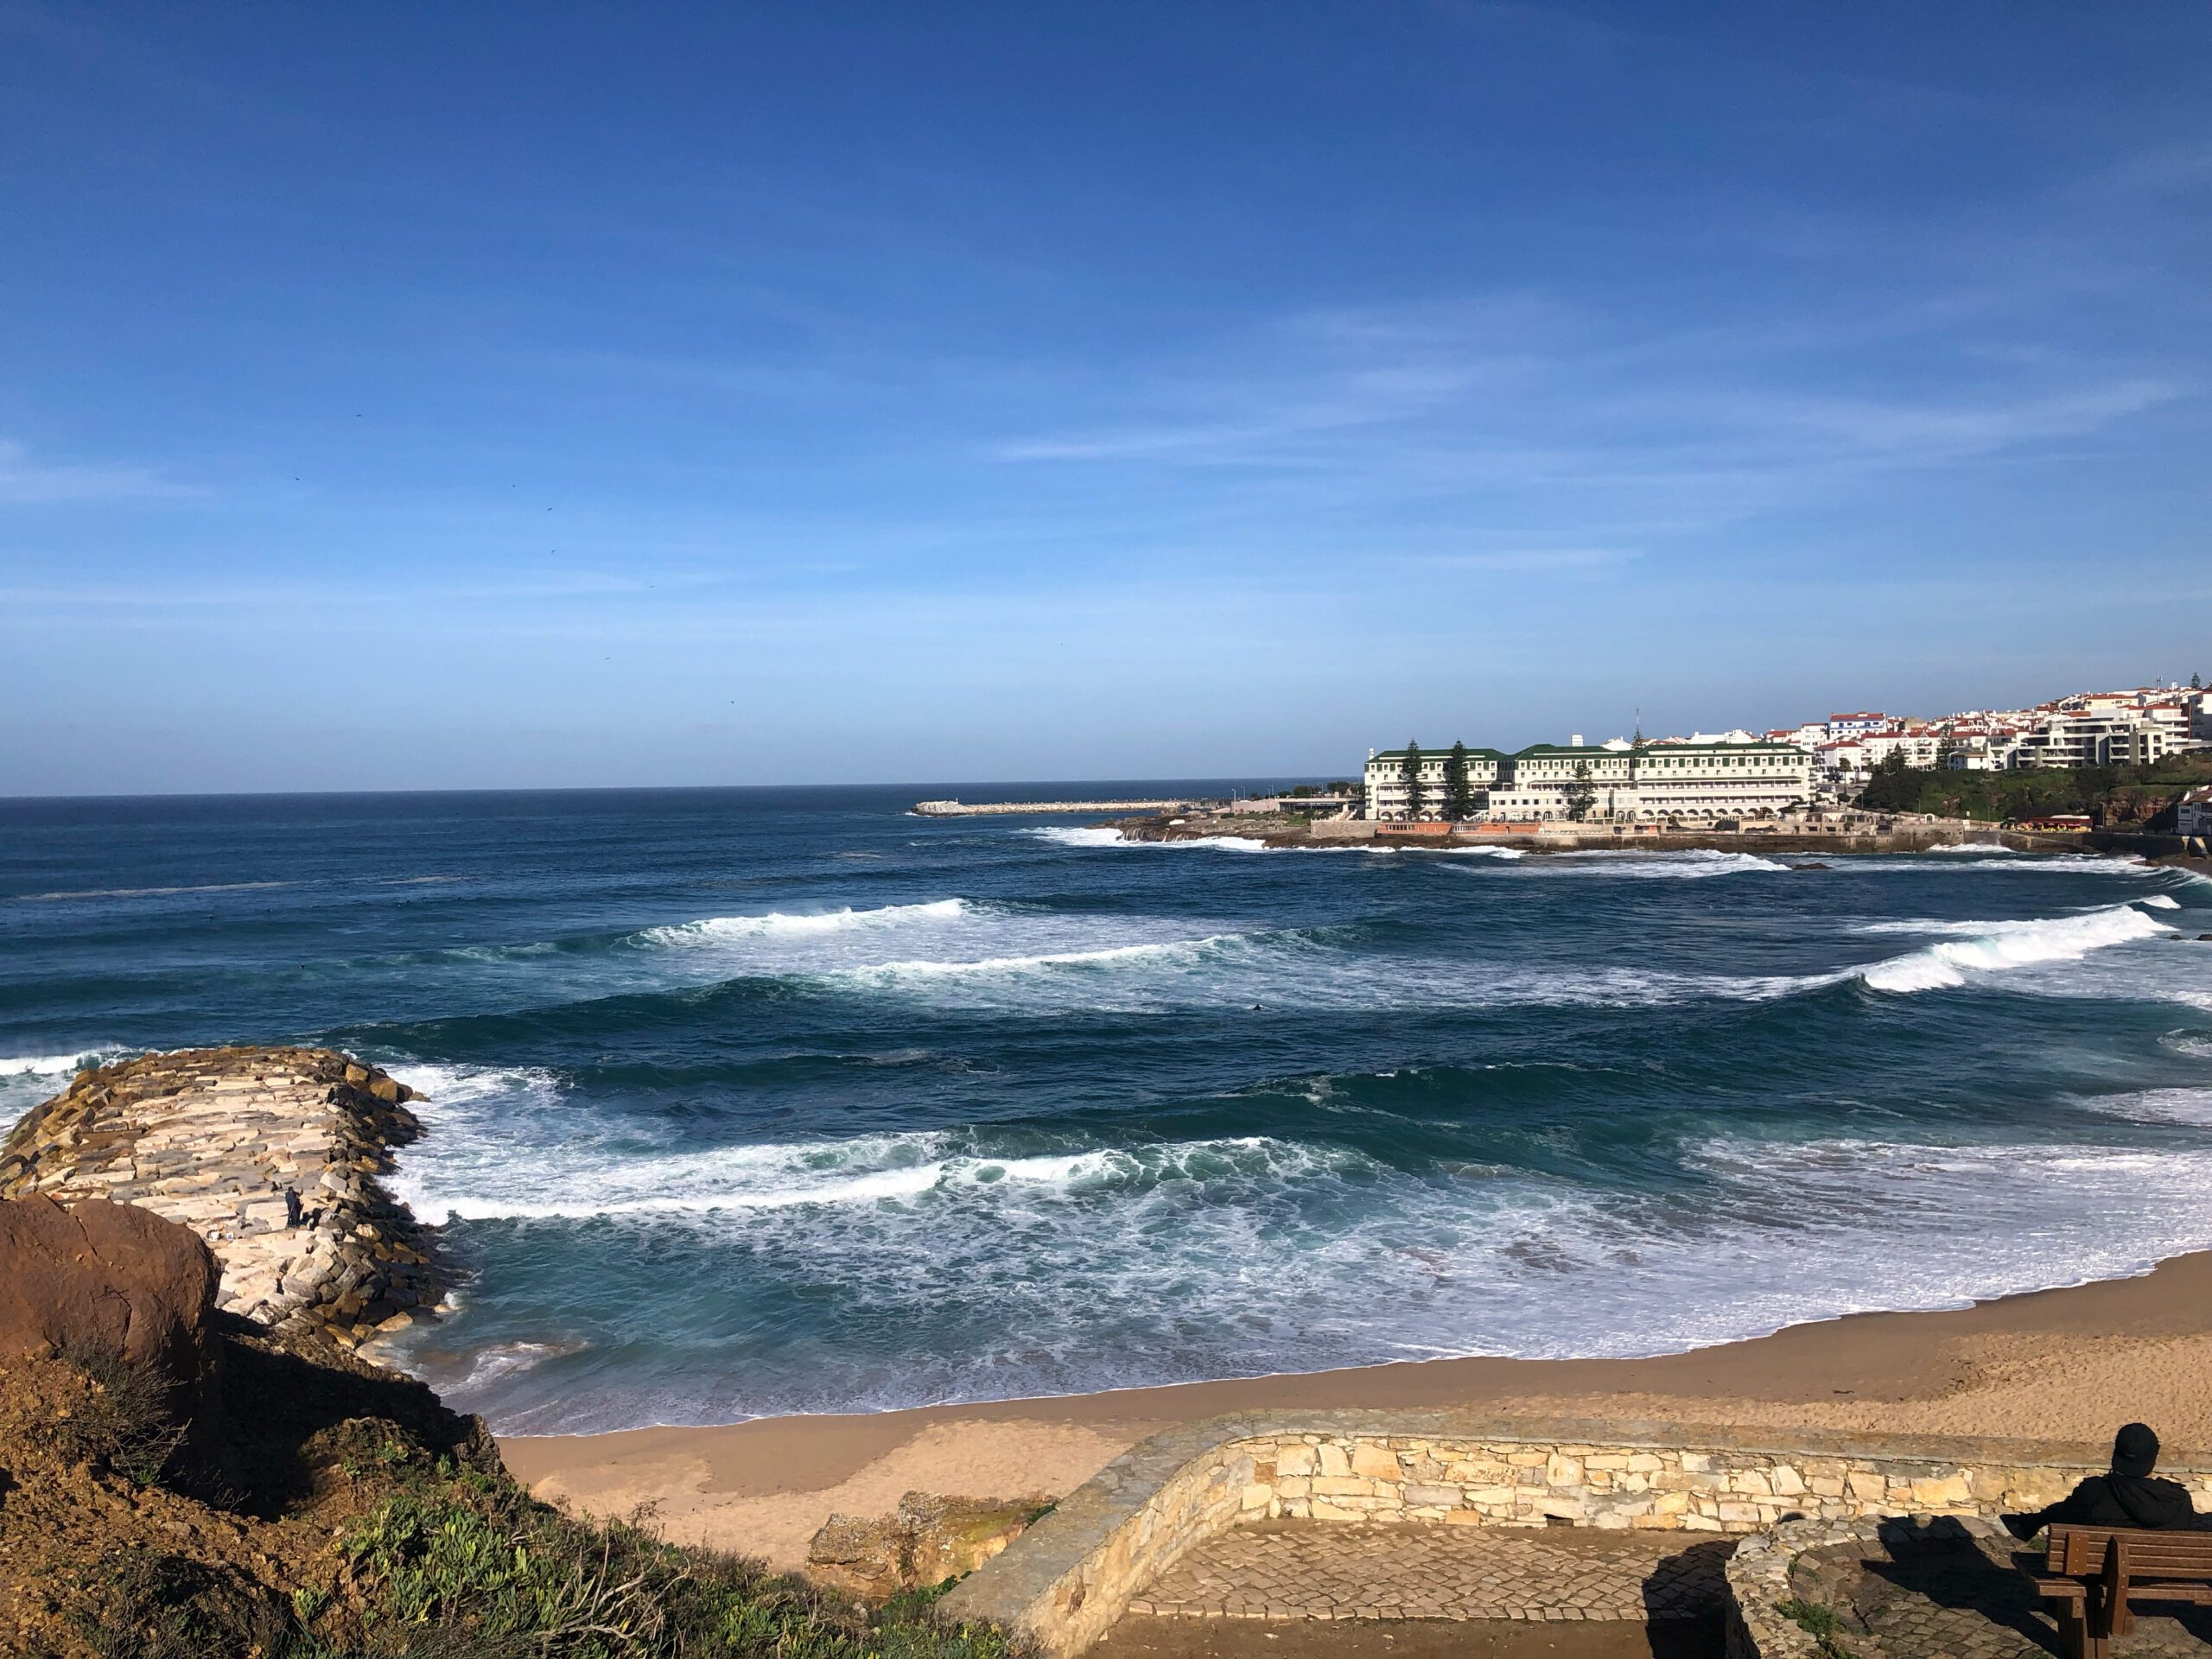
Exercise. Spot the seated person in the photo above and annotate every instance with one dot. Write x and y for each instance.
(2128, 1496)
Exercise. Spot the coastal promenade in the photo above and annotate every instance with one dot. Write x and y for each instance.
(215, 1139)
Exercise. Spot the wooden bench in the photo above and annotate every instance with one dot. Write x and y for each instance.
(2091, 1573)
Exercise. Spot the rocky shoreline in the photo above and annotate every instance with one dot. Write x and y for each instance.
(215, 1139)
(1287, 830)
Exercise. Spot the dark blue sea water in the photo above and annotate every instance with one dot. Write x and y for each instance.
(758, 1100)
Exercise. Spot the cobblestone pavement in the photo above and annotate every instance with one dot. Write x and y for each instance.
(1964, 1598)
(1306, 1570)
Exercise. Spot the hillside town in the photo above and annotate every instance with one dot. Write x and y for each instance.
(1708, 777)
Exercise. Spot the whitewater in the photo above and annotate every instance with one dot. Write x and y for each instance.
(753, 1102)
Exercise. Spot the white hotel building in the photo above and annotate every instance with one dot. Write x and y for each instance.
(1695, 781)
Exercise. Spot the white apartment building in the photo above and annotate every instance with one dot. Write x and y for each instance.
(2098, 738)
(1695, 780)
(2193, 817)
(1975, 748)
(1859, 724)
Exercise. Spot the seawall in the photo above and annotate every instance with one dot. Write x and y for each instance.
(1067, 1580)
(213, 1139)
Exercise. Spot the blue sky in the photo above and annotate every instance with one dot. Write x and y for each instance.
(438, 396)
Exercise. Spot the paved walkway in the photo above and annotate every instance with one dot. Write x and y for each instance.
(1957, 1597)
(1308, 1570)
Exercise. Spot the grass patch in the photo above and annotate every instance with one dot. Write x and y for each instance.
(474, 1565)
(1820, 1622)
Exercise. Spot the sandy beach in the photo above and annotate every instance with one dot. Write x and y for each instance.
(2069, 1363)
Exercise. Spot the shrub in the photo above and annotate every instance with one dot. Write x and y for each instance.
(483, 1569)
(123, 1421)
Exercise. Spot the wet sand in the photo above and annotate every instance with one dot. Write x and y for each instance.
(2068, 1364)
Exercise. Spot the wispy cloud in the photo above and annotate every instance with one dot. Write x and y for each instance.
(1532, 560)
(1588, 428)
(26, 481)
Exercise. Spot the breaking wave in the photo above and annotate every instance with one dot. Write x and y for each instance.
(1078, 835)
(1629, 861)
(54, 1065)
(470, 1172)
(1165, 951)
(805, 924)
(1996, 947)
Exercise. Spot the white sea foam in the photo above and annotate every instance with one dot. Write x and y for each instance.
(458, 1085)
(1078, 834)
(471, 1172)
(503, 1360)
(1159, 950)
(2000, 946)
(1980, 849)
(50, 1065)
(1629, 862)
(1930, 926)
(1101, 835)
(1092, 1269)
(2191, 1106)
(161, 892)
(804, 924)
(2016, 864)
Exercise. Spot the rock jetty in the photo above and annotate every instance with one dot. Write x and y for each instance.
(215, 1139)
(1011, 809)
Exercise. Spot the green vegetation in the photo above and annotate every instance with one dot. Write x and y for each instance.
(2116, 797)
(456, 1563)
(470, 1564)
(1581, 797)
(1416, 796)
(1458, 803)
(1818, 1620)
(124, 1422)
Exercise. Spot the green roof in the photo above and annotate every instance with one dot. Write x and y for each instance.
(1444, 753)
(1540, 751)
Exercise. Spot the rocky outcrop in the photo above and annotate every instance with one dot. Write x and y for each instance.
(216, 1140)
(928, 1539)
(103, 1279)
(174, 1482)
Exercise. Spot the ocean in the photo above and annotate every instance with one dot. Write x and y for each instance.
(752, 1101)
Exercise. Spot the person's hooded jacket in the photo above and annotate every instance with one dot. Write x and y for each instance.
(2129, 1496)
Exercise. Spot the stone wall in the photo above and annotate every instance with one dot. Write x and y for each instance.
(1072, 1574)
(212, 1138)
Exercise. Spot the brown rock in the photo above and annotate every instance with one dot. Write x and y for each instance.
(928, 1539)
(105, 1278)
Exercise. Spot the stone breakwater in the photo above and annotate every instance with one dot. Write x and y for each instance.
(213, 1139)
(1011, 809)
(1067, 1580)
